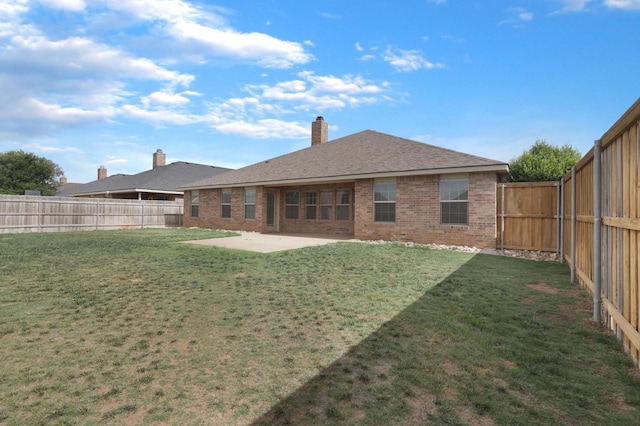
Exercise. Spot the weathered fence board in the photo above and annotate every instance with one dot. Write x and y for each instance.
(24, 213)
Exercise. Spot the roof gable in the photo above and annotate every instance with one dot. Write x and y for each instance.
(367, 153)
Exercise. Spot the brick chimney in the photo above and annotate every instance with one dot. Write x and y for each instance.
(102, 173)
(159, 158)
(319, 131)
(63, 180)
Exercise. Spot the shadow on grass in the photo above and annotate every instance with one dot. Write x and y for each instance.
(498, 341)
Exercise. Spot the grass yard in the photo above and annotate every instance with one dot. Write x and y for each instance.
(131, 327)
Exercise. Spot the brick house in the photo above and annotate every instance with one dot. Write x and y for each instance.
(368, 185)
(162, 182)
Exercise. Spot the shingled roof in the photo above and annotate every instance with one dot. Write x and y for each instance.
(162, 179)
(361, 155)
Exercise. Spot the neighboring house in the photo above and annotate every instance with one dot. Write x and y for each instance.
(162, 182)
(368, 185)
(65, 184)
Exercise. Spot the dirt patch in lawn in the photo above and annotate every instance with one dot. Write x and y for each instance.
(543, 287)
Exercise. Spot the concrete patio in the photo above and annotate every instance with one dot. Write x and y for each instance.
(267, 243)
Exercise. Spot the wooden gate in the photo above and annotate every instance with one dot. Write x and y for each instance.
(528, 216)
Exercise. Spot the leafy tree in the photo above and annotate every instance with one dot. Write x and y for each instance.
(20, 171)
(543, 162)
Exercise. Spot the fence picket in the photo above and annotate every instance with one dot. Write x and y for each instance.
(25, 213)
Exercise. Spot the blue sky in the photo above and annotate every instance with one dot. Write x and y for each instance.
(230, 83)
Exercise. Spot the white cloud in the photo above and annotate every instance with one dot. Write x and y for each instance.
(153, 10)
(253, 115)
(71, 5)
(582, 5)
(623, 4)
(48, 148)
(9, 9)
(77, 57)
(519, 16)
(188, 24)
(573, 5)
(525, 16)
(164, 98)
(30, 117)
(264, 49)
(48, 85)
(359, 47)
(263, 129)
(408, 60)
(159, 118)
(114, 160)
(318, 92)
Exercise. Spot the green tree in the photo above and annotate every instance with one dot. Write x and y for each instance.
(20, 171)
(543, 162)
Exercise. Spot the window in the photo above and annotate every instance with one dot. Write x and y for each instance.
(291, 204)
(454, 201)
(226, 203)
(342, 205)
(311, 203)
(326, 205)
(249, 203)
(384, 201)
(195, 203)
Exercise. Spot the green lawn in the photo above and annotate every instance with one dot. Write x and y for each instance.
(131, 327)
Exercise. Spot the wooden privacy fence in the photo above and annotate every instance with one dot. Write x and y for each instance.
(602, 210)
(591, 218)
(24, 213)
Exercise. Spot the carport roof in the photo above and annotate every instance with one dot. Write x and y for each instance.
(367, 154)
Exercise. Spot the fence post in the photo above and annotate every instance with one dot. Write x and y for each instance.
(557, 217)
(597, 232)
(561, 242)
(502, 221)
(573, 224)
(39, 207)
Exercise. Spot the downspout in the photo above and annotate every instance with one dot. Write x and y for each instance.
(573, 224)
(597, 232)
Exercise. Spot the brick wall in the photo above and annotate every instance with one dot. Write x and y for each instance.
(209, 215)
(316, 226)
(418, 212)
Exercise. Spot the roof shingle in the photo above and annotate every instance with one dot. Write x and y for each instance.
(360, 154)
(167, 178)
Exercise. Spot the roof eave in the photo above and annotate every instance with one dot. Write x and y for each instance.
(126, 191)
(498, 168)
